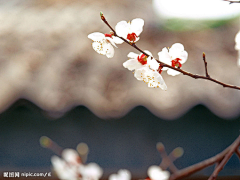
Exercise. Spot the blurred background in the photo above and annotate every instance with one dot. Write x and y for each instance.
(54, 84)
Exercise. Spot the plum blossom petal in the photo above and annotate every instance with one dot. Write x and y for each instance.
(123, 174)
(156, 173)
(132, 55)
(158, 81)
(98, 47)
(153, 64)
(173, 72)
(109, 50)
(148, 52)
(96, 36)
(117, 40)
(152, 78)
(111, 41)
(122, 28)
(132, 64)
(137, 26)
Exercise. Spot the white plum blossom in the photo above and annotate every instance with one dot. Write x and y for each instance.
(146, 69)
(156, 173)
(123, 174)
(67, 167)
(130, 31)
(137, 61)
(237, 46)
(152, 78)
(103, 43)
(91, 171)
(175, 57)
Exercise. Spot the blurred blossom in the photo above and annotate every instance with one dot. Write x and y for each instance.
(67, 168)
(156, 173)
(91, 171)
(123, 174)
(64, 170)
(237, 46)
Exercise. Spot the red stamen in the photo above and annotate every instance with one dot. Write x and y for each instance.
(176, 62)
(108, 35)
(160, 69)
(142, 59)
(132, 37)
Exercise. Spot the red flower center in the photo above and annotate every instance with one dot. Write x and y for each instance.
(160, 69)
(132, 37)
(176, 63)
(142, 59)
(108, 35)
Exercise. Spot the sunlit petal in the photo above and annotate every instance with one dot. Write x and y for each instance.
(96, 36)
(122, 29)
(137, 26)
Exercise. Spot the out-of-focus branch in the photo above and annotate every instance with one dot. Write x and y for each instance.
(220, 159)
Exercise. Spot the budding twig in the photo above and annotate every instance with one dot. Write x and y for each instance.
(195, 76)
(205, 64)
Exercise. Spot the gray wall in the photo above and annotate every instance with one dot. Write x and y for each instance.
(128, 142)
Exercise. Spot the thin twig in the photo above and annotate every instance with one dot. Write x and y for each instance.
(195, 76)
(205, 64)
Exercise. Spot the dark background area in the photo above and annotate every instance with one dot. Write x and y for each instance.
(128, 142)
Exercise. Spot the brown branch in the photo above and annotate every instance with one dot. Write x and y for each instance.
(224, 156)
(233, 148)
(195, 76)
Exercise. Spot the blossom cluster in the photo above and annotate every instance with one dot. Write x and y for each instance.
(70, 167)
(146, 68)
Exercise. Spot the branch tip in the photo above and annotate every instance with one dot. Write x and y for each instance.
(102, 16)
(204, 55)
(160, 146)
(178, 152)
